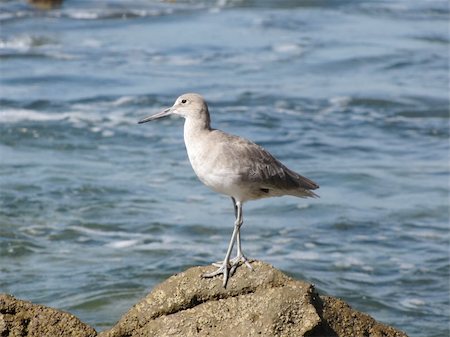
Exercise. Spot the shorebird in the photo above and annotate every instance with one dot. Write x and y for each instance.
(233, 166)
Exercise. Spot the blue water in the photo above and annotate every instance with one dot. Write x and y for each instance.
(96, 210)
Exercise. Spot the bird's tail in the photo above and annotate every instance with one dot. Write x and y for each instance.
(305, 186)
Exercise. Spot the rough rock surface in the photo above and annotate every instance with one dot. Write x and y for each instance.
(21, 318)
(262, 302)
(344, 321)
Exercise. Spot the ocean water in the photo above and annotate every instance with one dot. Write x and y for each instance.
(96, 210)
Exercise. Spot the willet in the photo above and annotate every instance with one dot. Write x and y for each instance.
(233, 166)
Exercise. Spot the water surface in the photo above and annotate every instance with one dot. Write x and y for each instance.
(96, 210)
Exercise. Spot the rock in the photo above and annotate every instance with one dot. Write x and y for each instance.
(46, 4)
(25, 319)
(262, 302)
(345, 321)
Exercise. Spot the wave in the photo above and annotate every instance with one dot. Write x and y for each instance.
(105, 110)
(25, 42)
(32, 46)
(89, 13)
(17, 115)
(111, 13)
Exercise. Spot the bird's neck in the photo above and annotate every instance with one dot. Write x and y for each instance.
(197, 125)
(196, 131)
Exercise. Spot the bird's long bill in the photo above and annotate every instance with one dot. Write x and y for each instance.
(161, 114)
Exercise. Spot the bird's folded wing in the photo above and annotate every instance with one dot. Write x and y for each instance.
(259, 165)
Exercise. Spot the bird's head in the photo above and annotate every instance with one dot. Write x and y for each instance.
(188, 106)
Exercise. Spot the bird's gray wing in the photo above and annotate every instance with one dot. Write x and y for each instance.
(261, 167)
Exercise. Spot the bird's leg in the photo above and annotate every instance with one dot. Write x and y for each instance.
(219, 263)
(235, 207)
(225, 266)
(240, 257)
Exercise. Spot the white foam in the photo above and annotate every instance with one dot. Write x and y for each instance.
(412, 303)
(310, 245)
(367, 268)
(183, 60)
(406, 266)
(23, 42)
(341, 101)
(100, 233)
(60, 56)
(5, 16)
(79, 117)
(17, 115)
(304, 255)
(99, 116)
(123, 100)
(302, 206)
(122, 243)
(427, 234)
(82, 15)
(91, 43)
(288, 48)
(348, 262)
(337, 103)
(107, 133)
(195, 198)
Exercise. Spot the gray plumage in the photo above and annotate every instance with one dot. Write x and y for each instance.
(263, 175)
(233, 166)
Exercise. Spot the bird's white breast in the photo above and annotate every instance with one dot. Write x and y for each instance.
(209, 164)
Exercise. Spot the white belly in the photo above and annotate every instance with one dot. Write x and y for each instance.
(208, 169)
(212, 170)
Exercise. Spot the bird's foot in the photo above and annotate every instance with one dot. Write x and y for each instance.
(228, 268)
(225, 269)
(240, 258)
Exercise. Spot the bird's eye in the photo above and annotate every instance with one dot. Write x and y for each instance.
(183, 101)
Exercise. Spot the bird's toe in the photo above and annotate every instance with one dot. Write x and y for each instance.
(225, 269)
